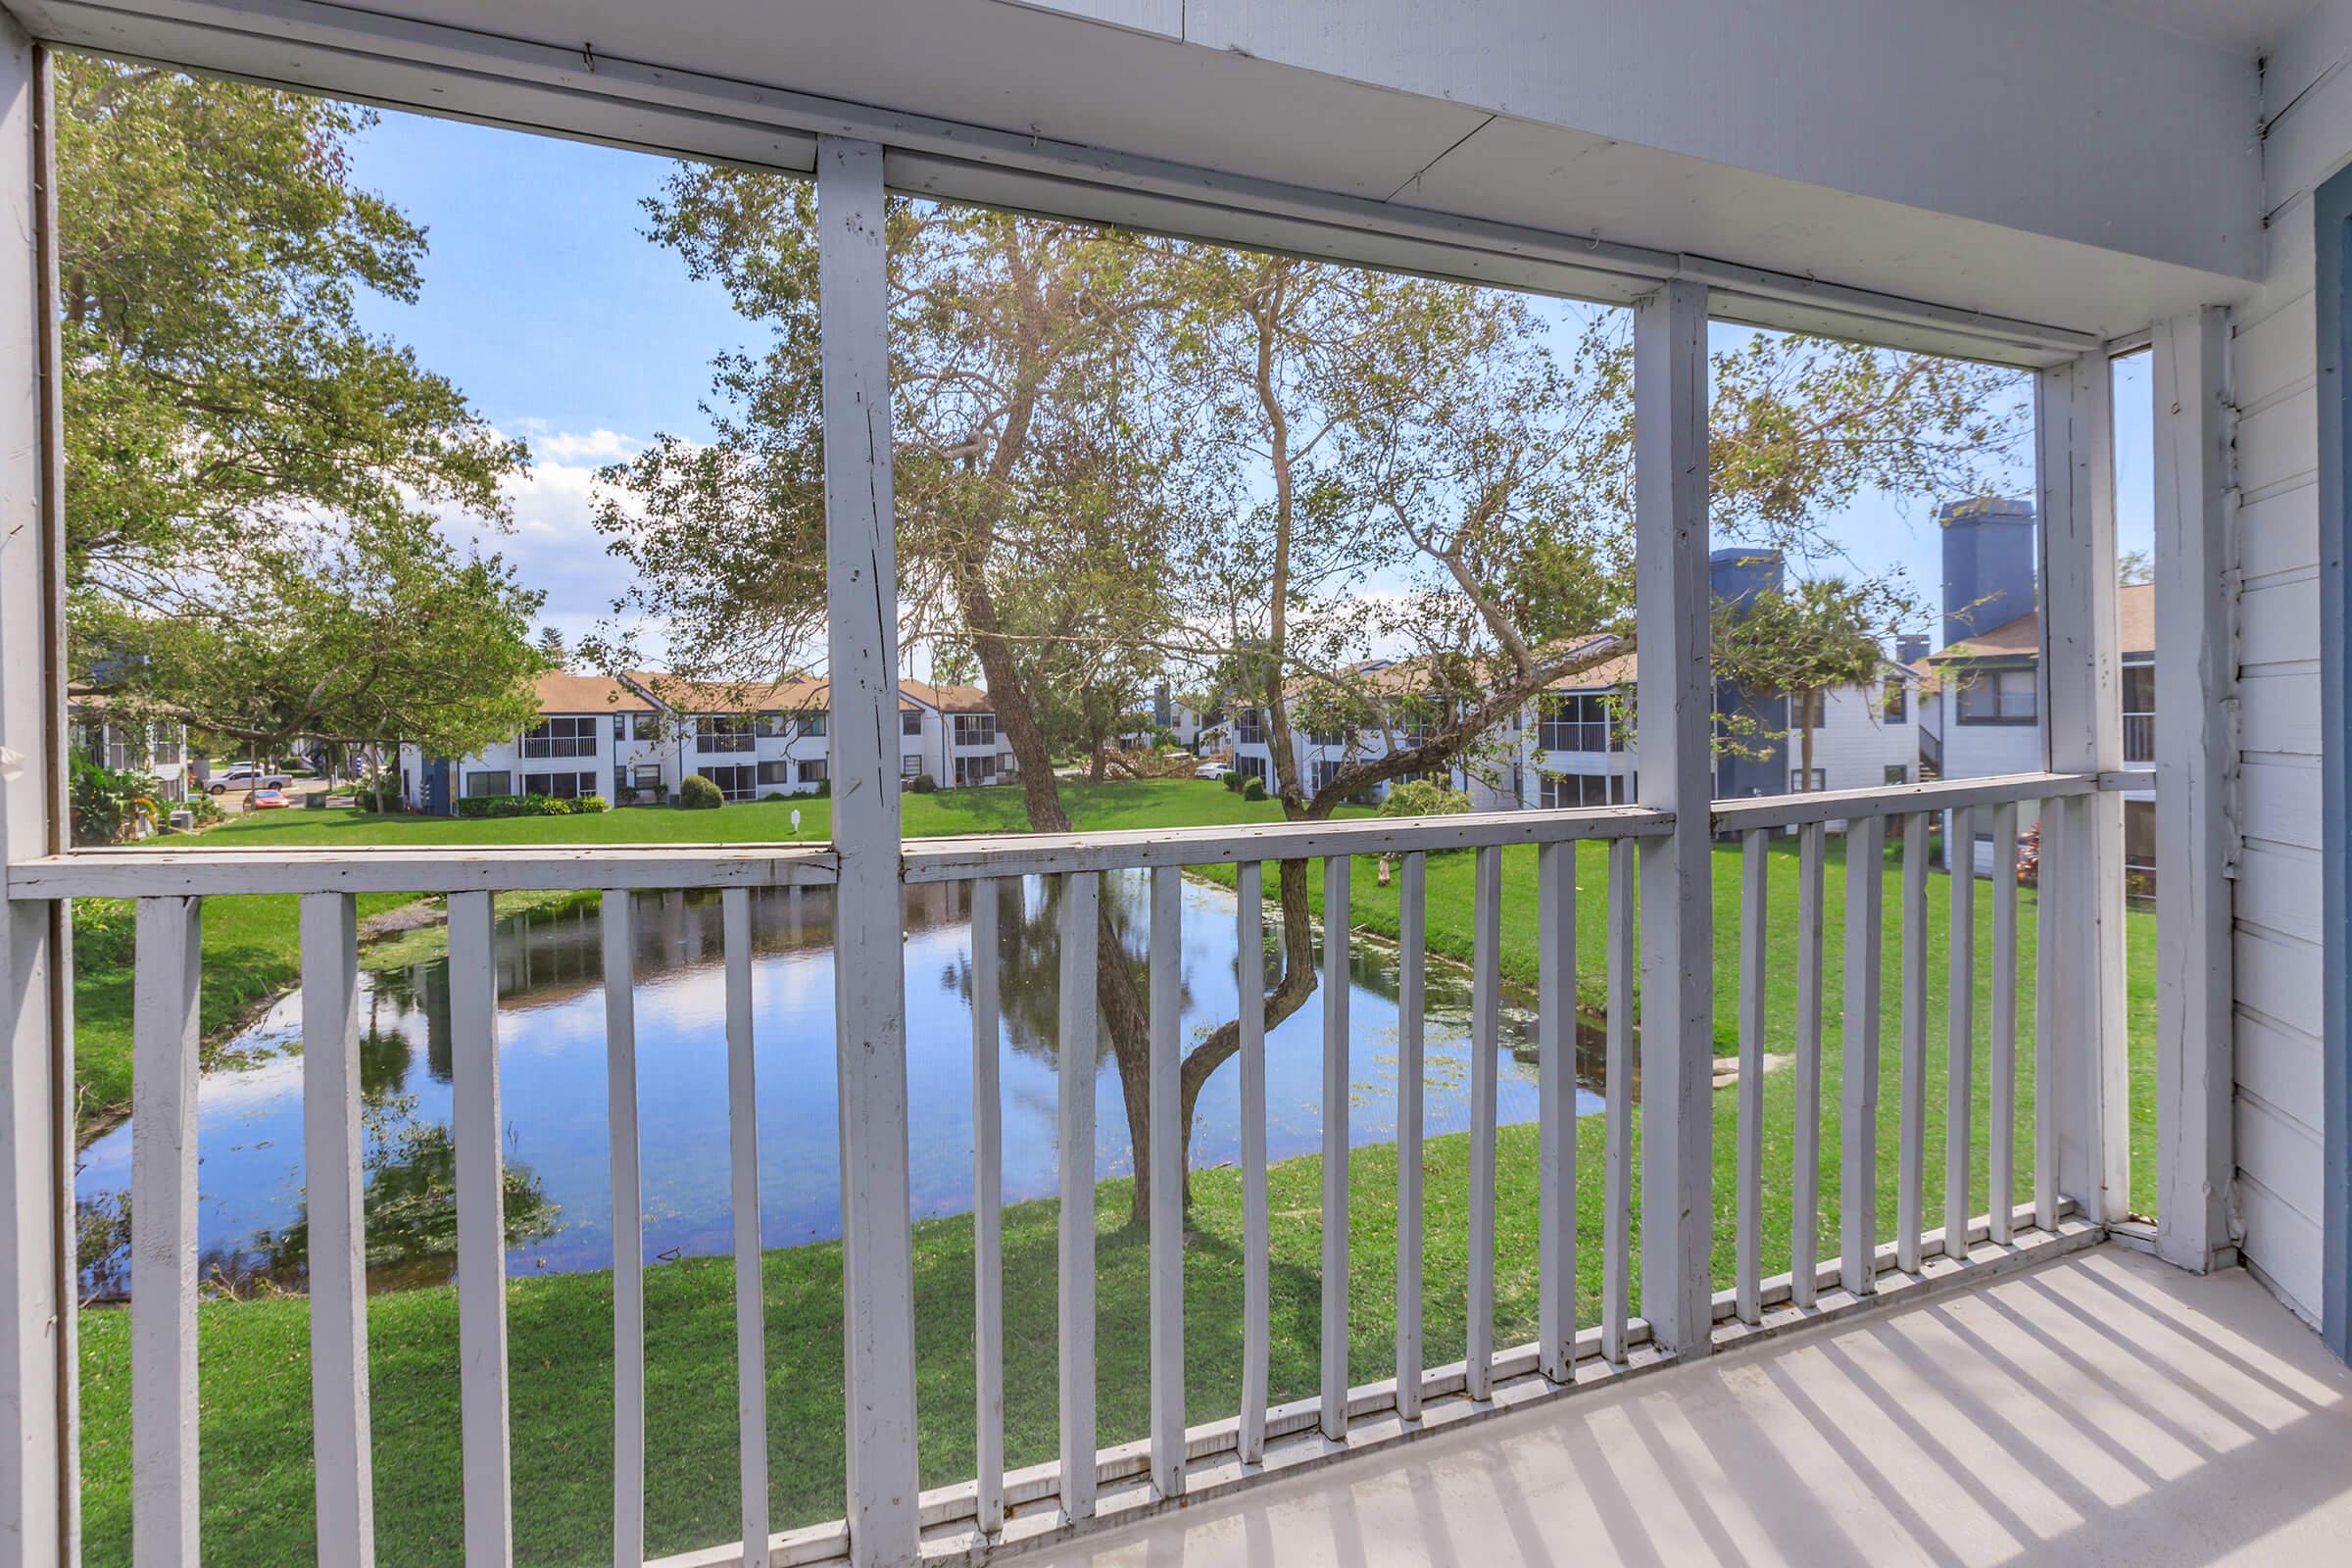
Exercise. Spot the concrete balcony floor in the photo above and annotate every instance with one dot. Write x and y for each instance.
(2100, 1408)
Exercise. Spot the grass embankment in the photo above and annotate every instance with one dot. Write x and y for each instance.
(253, 1355)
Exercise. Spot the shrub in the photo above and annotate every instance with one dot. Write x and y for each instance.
(529, 806)
(1234, 782)
(924, 784)
(698, 794)
(824, 789)
(1254, 790)
(1421, 797)
(771, 795)
(107, 805)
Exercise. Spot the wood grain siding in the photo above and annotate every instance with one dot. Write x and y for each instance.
(2276, 945)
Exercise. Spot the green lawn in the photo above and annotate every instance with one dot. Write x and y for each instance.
(254, 1355)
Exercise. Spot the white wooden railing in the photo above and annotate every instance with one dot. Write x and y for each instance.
(1175, 1460)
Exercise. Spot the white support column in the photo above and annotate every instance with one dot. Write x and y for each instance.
(2196, 668)
(38, 1490)
(2082, 714)
(869, 909)
(1676, 726)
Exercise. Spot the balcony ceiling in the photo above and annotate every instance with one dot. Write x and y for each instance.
(2088, 214)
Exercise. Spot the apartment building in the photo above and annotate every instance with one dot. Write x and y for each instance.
(633, 739)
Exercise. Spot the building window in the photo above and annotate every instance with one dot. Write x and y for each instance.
(1253, 767)
(481, 784)
(975, 769)
(645, 726)
(566, 735)
(1808, 709)
(621, 727)
(1803, 782)
(1896, 705)
(910, 766)
(735, 783)
(559, 786)
(1897, 773)
(2140, 713)
(976, 729)
(910, 722)
(645, 776)
(166, 744)
(717, 732)
(1578, 721)
(1998, 697)
(814, 773)
(1556, 791)
(775, 773)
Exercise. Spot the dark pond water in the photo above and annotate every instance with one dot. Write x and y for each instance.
(552, 1068)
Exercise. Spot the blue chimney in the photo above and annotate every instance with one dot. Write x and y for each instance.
(1989, 564)
(1911, 647)
(1737, 575)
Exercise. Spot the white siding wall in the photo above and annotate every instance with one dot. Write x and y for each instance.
(1854, 746)
(2277, 914)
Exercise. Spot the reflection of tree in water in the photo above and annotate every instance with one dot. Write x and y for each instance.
(410, 1176)
(1029, 957)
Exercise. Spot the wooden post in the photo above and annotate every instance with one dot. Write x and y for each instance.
(2082, 722)
(1676, 726)
(162, 1232)
(2197, 666)
(334, 1185)
(40, 1490)
(869, 992)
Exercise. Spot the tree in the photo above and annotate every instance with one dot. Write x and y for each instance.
(1034, 535)
(254, 485)
(1113, 449)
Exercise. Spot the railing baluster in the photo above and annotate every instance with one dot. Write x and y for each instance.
(476, 1129)
(1167, 1180)
(619, 932)
(1555, 1112)
(164, 988)
(1910, 1199)
(1485, 1043)
(743, 1152)
(1074, 1047)
(987, 1198)
(1858, 1093)
(1617, 1117)
(1747, 1284)
(1335, 1146)
(1256, 1287)
(1804, 1212)
(1412, 967)
(1959, 1066)
(332, 1192)
(2001, 1137)
(2049, 913)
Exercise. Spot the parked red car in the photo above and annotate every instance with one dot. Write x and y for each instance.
(269, 801)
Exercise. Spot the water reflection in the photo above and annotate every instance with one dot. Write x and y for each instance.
(252, 1228)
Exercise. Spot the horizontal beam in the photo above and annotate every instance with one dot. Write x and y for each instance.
(129, 873)
(481, 75)
(1896, 800)
(1052, 854)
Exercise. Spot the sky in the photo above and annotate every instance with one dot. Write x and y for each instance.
(546, 306)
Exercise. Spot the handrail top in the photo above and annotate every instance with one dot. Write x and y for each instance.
(129, 871)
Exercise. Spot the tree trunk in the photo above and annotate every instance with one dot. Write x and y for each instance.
(1117, 997)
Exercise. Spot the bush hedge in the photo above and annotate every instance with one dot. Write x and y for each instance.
(1254, 790)
(698, 794)
(530, 806)
(924, 784)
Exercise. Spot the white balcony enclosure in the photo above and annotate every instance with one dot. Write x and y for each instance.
(2043, 184)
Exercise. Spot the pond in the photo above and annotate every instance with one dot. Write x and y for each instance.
(551, 1024)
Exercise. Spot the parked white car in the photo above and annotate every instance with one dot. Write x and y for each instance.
(1212, 770)
(244, 776)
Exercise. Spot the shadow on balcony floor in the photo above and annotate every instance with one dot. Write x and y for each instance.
(2102, 1408)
